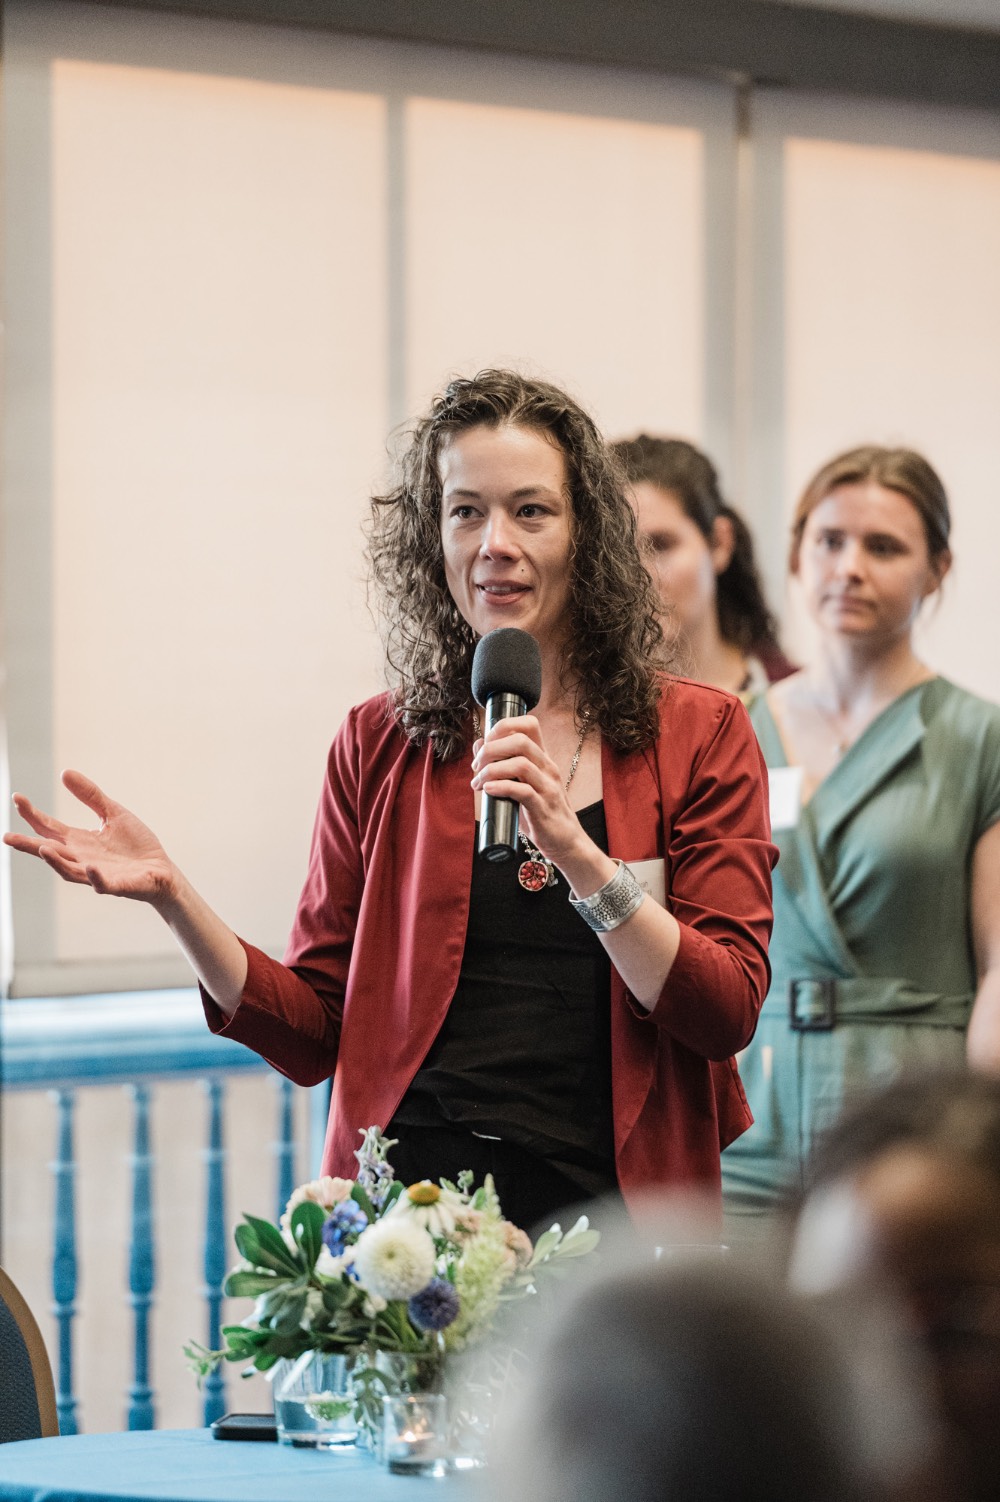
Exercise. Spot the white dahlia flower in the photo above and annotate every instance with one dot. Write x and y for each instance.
(394, 1258)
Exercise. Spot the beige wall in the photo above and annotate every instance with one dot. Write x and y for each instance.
(892, 332)
(218, 417)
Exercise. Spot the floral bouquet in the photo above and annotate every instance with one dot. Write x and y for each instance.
(365, 1266)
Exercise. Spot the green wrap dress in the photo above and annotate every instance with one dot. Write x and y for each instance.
(872, 934)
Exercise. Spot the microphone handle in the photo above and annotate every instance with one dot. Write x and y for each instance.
(498, 817)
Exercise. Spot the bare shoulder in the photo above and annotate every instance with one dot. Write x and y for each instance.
(787, 692)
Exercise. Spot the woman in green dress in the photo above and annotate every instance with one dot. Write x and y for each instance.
(885, 804)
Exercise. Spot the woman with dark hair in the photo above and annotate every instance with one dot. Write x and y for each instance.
(905, 1189)
(684, 1380)
(699, 553)
(885, 800)
(569, 1036)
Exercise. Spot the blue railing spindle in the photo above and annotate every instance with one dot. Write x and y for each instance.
(284, 1148)
(142, 1263)
(135, 1040)
(216, 1244)
(64, 1266)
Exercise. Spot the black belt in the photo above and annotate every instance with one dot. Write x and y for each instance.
(820, 1003)
(812, 1005)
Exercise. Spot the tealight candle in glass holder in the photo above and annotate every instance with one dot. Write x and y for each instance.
(416, 1433)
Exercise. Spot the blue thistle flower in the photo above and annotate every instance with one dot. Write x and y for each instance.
(435, 1306)
(343, 1226)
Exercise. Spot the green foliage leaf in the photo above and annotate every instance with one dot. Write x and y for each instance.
(268, 1359)
(201, 1360)
(247, 1244)
(272, 1249)
(244, 1284)
(242, 1343)
(307, 1228)
(289, 1316)
(578, 1243)
(272, 1306)
(392, 1194)
(545, 1246)
(336, 1295)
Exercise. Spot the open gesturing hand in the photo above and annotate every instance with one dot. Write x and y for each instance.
(122, 858)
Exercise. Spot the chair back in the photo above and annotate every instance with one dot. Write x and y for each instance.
(27, 1394)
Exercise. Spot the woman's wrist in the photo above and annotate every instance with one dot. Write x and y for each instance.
(587, 868)
(173, 896)
(613, 904)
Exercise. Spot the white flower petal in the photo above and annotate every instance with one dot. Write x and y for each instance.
(394, 1258)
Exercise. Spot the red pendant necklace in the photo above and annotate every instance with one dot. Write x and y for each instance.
(537, 872)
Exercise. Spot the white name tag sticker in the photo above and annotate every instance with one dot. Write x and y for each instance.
(652, 877)
(785, 785)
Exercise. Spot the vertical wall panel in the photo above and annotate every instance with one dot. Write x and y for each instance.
(219, 413)
(892, 333)
(570, 246)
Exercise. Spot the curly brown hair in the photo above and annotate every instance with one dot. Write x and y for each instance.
(614, 637)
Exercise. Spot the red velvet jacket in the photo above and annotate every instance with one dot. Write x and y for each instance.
(375, 951)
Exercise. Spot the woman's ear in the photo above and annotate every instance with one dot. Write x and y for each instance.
(938, 568)
(722, 544)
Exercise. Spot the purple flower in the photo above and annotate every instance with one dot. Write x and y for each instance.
(343, 1226)
(375, 1175)
(435, 1306)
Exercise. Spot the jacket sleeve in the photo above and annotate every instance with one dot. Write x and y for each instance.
(719, 858)
(291, 1012)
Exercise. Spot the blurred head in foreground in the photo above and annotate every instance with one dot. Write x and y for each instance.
(907, 1188)
(689, 1379)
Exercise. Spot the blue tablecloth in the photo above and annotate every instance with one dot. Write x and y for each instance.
(189, 1465)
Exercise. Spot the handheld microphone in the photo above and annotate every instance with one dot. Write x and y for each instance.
(506, 681)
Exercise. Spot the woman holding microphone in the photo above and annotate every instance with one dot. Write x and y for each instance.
(571, 1036)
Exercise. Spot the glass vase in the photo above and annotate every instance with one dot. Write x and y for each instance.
(481, 1383)
(392, 1374)
(314, 1402)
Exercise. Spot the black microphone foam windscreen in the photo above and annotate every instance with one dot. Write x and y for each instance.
(507, 661)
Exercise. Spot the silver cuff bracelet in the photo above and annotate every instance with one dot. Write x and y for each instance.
(611, 904)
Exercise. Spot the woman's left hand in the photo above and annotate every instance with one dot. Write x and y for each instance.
(512, 762)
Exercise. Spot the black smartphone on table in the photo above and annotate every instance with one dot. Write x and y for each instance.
(258, 1426)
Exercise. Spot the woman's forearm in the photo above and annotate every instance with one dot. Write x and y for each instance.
(215, 953)
(982, 1043)
(644, 947)
(643, 950)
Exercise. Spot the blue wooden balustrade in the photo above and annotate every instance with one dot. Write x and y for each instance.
(141, 1262)
(67, 1044)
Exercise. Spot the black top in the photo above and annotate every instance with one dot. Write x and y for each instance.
(524, 1053)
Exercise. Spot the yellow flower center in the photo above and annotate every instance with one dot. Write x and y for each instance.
(424, 1193)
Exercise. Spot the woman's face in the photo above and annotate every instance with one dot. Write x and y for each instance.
(864, 564)
(681, 562)
(506, 531)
